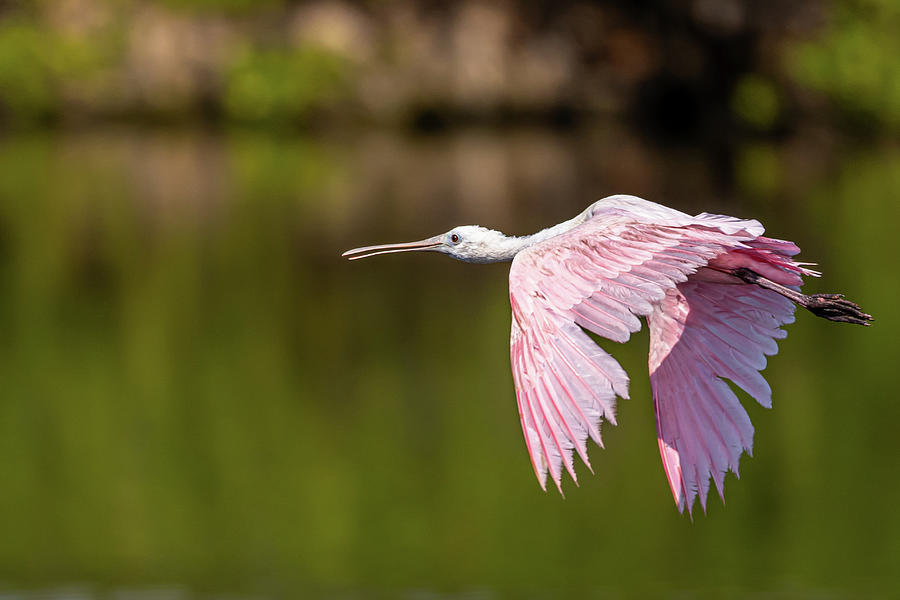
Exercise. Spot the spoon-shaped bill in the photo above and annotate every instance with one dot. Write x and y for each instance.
(366, 251)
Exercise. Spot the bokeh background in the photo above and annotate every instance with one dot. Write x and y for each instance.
(200, 399)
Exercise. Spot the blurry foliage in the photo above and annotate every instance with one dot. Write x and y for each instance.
(756, 101)
(856, 60)
(277, 62)
(283, 85)
(46, 73)
(758, 170)
(226, 6)
(26, 73)
(35, 65)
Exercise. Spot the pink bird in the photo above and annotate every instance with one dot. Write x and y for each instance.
(714, 292)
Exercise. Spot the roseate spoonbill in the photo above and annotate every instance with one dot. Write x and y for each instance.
(714, 292)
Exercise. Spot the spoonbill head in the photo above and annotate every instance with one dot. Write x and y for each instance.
(468, 243)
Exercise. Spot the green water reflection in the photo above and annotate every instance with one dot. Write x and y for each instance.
(197, 391)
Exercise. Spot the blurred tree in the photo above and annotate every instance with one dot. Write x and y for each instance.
(283, 85)
(856, 61)
(688, 71)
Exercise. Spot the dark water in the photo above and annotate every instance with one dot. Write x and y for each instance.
(200, 398)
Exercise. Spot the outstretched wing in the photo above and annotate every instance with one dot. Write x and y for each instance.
(706, 330)
(601, 276)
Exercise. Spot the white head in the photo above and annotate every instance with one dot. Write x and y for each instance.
(469, 243)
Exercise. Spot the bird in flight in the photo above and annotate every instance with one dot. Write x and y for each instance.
(714, 291)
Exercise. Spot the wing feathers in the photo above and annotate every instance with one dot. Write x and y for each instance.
(704, 331)
(602, 275)
(589, 411)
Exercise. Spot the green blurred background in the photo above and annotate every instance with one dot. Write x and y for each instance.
(200, 399)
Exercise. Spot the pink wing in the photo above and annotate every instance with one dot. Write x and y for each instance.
(703, 331)
(600, 275)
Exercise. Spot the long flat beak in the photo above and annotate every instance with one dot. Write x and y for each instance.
(367, 251)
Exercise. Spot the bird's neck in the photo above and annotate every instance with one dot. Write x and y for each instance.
(502, 249)
(546, 234)
(508, 246)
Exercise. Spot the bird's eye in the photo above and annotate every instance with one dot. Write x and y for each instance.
(454, 238)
